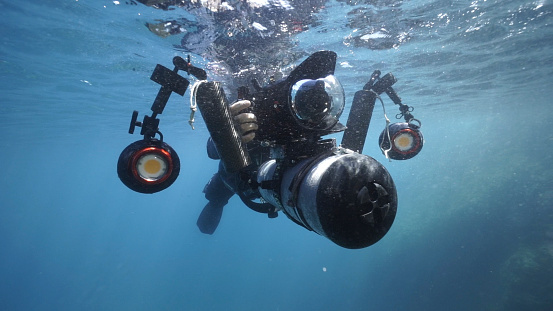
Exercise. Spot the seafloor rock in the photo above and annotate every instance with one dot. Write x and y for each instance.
(527, 276)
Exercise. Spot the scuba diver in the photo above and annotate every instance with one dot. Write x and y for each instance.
(273, 155)
(317, 103)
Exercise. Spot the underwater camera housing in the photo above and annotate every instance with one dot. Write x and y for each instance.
(333, 190)
(281, 117)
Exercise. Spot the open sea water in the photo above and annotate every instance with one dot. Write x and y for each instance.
(474, 229)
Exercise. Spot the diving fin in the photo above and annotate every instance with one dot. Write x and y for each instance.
(210, 217)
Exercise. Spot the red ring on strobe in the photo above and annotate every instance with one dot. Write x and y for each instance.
(159, 151)
(416, 141)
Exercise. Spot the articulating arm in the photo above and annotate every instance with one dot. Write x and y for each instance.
(170, 82)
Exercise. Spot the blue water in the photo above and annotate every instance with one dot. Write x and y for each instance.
(474, 229)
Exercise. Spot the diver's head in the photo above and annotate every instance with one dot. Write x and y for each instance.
(317, 104)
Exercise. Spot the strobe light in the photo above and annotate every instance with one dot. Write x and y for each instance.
(406, 140)
(148, 166)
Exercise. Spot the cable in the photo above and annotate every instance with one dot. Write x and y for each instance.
(193, 103)
(385, 151)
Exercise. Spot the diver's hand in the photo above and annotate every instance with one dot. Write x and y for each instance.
(246, 121)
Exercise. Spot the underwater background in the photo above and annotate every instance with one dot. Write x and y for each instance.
(474, 229)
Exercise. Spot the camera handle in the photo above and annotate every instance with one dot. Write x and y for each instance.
(362, 108)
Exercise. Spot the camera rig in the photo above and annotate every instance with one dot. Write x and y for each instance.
(333, 190)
